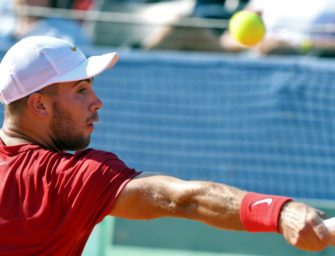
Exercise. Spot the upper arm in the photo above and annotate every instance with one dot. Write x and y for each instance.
(147, 197)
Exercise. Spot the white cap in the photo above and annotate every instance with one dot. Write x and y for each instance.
(38, 61)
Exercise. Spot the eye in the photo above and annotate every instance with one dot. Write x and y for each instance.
(82, 91)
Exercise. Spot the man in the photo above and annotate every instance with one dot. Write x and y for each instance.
(50, 200)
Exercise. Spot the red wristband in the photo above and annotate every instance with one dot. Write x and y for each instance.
(260, 213)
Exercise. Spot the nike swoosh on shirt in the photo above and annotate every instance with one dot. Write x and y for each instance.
(267, 201)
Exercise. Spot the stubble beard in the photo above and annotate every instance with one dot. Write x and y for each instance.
(64, 130)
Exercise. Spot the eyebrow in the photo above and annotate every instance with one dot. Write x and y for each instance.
(88, 80)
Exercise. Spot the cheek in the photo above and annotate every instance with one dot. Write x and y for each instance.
(73, 108)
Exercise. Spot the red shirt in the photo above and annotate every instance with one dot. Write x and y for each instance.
(50, 202)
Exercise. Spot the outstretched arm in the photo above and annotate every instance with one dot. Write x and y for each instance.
(163, 196)
(218, 205)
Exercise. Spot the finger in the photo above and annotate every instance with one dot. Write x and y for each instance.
(315, 233)
(321, 237)
(322, 214)
(312, 243)
(323, 233)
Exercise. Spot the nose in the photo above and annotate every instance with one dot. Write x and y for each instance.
(96, 103)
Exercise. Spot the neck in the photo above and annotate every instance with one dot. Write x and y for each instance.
(13, 135)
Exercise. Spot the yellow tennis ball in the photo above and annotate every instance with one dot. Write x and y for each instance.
(247, 28)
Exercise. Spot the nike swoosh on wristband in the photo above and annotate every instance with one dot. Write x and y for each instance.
(267, 201)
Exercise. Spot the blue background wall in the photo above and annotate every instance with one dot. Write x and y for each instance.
(260, 124)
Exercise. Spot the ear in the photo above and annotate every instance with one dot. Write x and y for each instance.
(39, 105)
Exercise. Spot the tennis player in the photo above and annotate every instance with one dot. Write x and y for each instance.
(50, 200)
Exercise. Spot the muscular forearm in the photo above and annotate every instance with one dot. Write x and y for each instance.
(163, 196)
(214, 204)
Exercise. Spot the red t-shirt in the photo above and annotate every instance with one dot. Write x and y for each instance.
(50, 202)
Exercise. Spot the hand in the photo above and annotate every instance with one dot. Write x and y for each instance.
(302, 226)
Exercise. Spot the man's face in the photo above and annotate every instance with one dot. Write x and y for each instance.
(74, 110)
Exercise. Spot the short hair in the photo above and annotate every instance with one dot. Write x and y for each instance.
(17, 107)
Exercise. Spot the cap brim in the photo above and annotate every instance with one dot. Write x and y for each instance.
(93, 66)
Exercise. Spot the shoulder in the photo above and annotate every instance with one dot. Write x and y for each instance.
(87, 160)
(92, 160)
(95, 157)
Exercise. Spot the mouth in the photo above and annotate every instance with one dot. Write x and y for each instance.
(90, 127)
(92, 120)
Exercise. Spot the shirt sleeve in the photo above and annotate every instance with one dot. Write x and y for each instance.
(89, 183)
